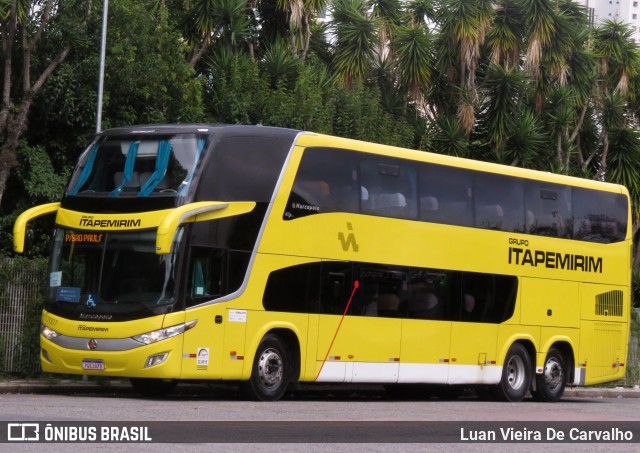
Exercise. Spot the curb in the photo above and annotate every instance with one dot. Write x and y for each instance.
(618, 392)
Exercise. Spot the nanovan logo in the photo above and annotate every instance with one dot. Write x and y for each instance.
(33, 432)
(23, 432)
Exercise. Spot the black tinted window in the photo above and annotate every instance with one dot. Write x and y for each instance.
(388, 187)
(599, 216)
(445, 195)
(243, 169)
(499, 202)
(391, 292)
(327, 181)
(335, 180)
(548, 209)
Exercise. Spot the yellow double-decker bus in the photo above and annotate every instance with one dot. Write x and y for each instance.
(270, 256)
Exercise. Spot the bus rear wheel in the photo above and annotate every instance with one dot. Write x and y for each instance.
(516, 375)
(271, 371)
(551, 383)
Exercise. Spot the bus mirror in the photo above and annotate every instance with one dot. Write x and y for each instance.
(20, 227)
(169, 225)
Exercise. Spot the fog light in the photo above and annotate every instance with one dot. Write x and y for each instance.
(157, 359)
(45, 355)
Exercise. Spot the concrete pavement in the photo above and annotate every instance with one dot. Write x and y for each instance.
(122, 386)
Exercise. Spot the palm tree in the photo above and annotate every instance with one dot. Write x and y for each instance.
(504, 94)
(465, 24)
(414, 60)
(225, 22)
(563, 70)
(388, 13)
(301, 14)
(618, 63)
(279, 64)
(356, 38)
(540, 15)
(623, 163)
(419, 12)
(504, 38)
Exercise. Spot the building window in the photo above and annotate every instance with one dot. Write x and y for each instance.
(634, 16)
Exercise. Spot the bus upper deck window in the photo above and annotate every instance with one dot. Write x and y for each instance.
(140, 167)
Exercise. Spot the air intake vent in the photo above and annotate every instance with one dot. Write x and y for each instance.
(609, 304)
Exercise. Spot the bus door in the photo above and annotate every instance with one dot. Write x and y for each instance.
(359, 331)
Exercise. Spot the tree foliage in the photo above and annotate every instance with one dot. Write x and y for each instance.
(530, 83)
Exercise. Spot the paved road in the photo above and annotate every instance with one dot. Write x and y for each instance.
(321, 418)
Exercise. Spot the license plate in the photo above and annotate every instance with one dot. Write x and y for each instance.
(93, 365)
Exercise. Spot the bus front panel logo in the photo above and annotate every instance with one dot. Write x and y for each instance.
(348, 242)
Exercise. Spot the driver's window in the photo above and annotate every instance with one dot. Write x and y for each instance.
(207, 274)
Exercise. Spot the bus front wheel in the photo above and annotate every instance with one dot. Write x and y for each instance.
(271, 371)
(516, 375)
(550, 384)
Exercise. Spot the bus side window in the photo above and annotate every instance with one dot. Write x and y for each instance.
(499, 202)
(445, 195)
(198, 282)
(487, 298)
(326, 181)
(294, 289)
(548, 209)
(475, 296)
(389, 188)
(599, 216)
(207, 274)
(427, 294)
(336, 288)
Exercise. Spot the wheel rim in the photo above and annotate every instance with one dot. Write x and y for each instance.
(553, 375)
(270, 368)
(516, 372)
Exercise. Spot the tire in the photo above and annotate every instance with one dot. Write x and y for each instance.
(516, 375)
(271, 371)
(551, 383)
(153, 387)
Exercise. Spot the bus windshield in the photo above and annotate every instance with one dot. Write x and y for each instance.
(138, 166)
(103, 275)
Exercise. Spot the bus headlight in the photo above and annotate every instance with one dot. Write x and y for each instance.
(47, 332)
(163, 334)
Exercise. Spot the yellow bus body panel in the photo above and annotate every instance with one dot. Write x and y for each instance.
(583, 307)
(129, 363)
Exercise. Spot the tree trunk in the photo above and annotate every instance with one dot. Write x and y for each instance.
(8, 158)
(16, 125)
(603, 161)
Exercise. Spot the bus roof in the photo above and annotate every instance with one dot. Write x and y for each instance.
(306, 138)
(220, 129)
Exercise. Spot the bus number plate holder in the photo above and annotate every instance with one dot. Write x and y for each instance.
(88, 364)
